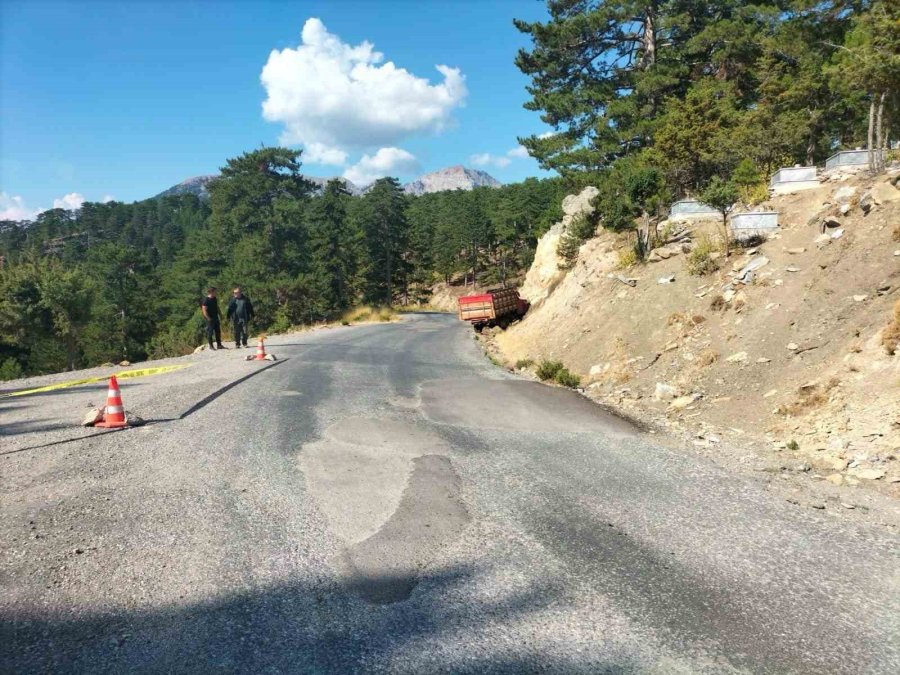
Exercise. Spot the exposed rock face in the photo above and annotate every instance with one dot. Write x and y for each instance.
(545, 271)
(452, 178)
(194, 186)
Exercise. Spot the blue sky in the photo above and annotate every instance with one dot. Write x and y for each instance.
(123, 99)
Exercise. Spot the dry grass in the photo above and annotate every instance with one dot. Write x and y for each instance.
(717, 304)
(685, 323)
(890, 336)
(700, 260)
(628, 257)
(896, 233)
(809, 398)
(367, 313)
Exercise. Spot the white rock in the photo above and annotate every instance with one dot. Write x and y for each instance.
(682, 402)
(738, 357)
(845, 209)
(574, 205)
(92, 416)
(859, 298)
(838, 233)
(200, 349)
(837, 443)
(844, 194)
(666, 280)
(792, 346)
(770, 393)
(869, 474)
(664, 392)
(598, 369)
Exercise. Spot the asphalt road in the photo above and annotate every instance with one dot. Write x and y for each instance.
(383, 499)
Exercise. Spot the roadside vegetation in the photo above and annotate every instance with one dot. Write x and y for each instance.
(368, 314)
(555, 371)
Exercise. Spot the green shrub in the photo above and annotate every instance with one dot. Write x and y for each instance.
(754, 194)
(10, 369)
(583, 227)
(701, 260)
(524, 363)
(547, 370)
(567, 378)
(175, 341)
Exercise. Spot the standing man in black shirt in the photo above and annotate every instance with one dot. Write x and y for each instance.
(240, 310)
(210, 309)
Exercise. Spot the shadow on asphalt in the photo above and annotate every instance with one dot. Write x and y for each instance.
(301, 627)
(31, 427)
(199, 405)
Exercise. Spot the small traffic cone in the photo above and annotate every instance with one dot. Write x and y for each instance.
(114, 412)
(260, 349)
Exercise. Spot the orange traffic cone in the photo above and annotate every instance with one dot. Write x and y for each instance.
(114, 412)
(260, 350)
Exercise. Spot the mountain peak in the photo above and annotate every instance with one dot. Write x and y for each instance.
(455, 177)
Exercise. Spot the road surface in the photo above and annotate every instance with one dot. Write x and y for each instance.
(383, 499)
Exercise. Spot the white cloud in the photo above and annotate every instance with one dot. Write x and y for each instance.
(333, 97)
(70, 202)
(547, 134)
(319, 153)
(487, 159)
(385, 162)
(500, 161)
(107, 199)
(14, 208)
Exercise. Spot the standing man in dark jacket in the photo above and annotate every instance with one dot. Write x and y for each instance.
(240, 310)
(210, 308)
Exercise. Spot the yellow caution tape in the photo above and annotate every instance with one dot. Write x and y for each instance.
(125, 374)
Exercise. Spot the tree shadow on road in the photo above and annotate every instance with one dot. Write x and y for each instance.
(303, 627)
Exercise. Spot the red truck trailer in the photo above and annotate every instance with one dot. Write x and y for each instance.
(495, 307)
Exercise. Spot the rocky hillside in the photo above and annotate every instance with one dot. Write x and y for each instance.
(783, 346)
(452, 178)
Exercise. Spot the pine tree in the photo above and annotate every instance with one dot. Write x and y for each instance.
(331, 248)
(383, 220)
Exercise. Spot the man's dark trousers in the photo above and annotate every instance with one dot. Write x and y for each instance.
(213, 328)
(240, 332)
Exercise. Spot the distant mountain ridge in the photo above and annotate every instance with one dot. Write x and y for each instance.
(452, 178)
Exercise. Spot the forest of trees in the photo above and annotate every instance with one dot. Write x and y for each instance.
(651, 100)
(648, 101)
(123, 281)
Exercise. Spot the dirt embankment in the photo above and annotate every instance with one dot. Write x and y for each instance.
(787, 358)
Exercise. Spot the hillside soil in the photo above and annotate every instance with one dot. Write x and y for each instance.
(783, 371)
